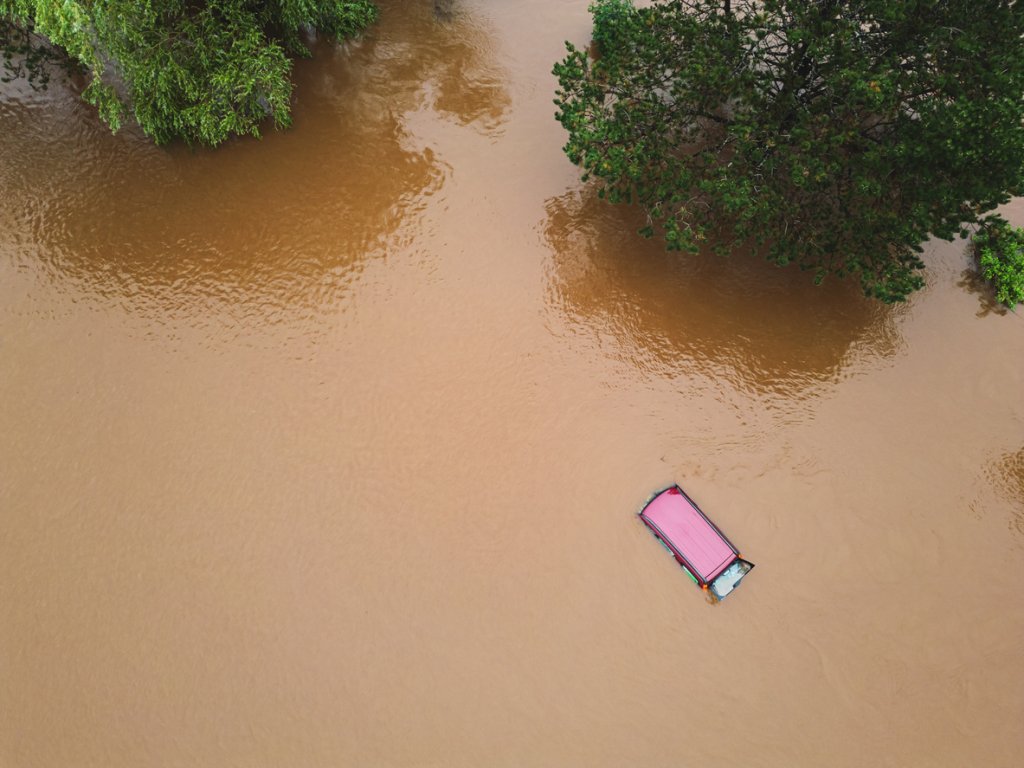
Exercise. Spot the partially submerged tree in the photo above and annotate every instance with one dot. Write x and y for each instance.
(200, 70)
(1000, 252)
(837, 135)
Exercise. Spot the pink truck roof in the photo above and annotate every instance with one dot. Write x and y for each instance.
(680, 524)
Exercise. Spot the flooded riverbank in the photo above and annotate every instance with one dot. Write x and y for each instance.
(325, 450)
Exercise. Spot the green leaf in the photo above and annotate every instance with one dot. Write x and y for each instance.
(201, 72)
(838, 135)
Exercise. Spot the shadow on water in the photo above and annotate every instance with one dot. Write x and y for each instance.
(445, 55)
(1006, 475)
(972, 282)
(278, 225)
(764, 329)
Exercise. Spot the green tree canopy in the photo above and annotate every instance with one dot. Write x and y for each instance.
(200, 70)
(837, 135)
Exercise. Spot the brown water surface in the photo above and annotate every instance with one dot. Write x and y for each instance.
(324, 449)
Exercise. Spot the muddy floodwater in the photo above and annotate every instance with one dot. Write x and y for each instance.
(325, 450)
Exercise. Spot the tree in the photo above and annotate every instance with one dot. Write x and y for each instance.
(837, 135)
(200, 70)
(999, 249)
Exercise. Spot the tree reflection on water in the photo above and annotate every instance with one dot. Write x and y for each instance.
(1006, 475)
(765, 329)
(279, 225)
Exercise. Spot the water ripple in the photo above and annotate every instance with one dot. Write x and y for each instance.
(736, 321)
